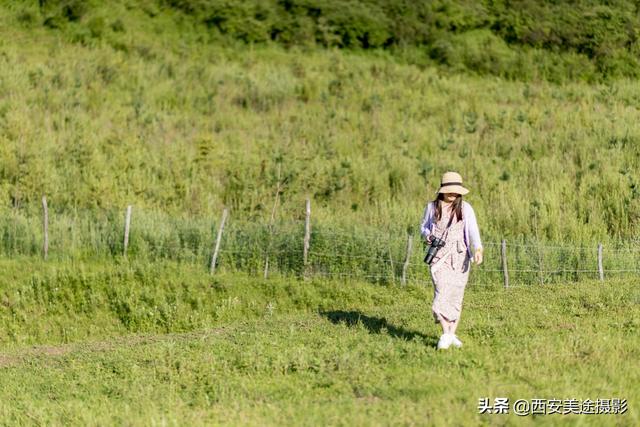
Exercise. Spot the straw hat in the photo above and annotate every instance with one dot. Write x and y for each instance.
(452, 183)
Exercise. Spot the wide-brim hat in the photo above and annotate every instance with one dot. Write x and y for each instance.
(451, 182)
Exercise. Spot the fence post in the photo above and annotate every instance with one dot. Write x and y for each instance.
(393, 273)
(600, 269)
(505, 269)
(216, 249)
(127, 226)
(273, 219)
(540, 263)
(307, 237)
(405, 267)
(45, 227)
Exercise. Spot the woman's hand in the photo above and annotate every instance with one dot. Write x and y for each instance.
(477, 258)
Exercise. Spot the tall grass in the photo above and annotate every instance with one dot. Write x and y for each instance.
(153, 117)
(337, 250)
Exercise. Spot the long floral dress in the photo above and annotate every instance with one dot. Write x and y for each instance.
(449, 270)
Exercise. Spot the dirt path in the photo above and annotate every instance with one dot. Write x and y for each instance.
(20, 356)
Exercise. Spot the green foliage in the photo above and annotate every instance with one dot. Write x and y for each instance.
(483, 37)
(487, 37)
(478, 50)
(148, 110)
(59, 12)
(142, 344)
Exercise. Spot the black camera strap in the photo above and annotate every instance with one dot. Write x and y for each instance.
(430, 255)
(446, 230)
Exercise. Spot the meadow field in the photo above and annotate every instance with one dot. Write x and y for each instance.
(161, 344)
(184, 108)
(149, 113)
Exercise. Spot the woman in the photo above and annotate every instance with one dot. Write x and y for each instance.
(450, 218)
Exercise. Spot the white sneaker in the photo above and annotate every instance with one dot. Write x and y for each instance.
(445, 341)
(456, 342)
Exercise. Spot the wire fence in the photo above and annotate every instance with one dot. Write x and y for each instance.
(262, 248)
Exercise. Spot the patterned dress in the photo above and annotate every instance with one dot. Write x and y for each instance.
(449, 270)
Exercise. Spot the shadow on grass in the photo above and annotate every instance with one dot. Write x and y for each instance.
(375, 325)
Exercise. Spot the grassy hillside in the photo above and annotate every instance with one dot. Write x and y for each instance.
(182, 108)
(557, 40)
(95, 344)
(103, 105)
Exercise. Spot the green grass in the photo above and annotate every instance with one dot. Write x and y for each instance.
(360, 252)
(180, 126)
(130, 103)
(237, 350)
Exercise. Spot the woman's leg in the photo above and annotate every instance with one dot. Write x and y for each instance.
(453, 326)
(446, 325)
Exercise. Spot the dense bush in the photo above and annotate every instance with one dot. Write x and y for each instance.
(521, 39)
(483, 36)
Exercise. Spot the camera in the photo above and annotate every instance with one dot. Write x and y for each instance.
(433, 249)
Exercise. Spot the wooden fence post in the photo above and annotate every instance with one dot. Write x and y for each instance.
(307, 237)
(505, 269)
(600, 269)
(393, 273)
(45, 227)
(405, 266)
(273, 219)
(540, 263)
(216, 249)
(127, 227)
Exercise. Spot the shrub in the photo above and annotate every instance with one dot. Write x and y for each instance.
(486, 37)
